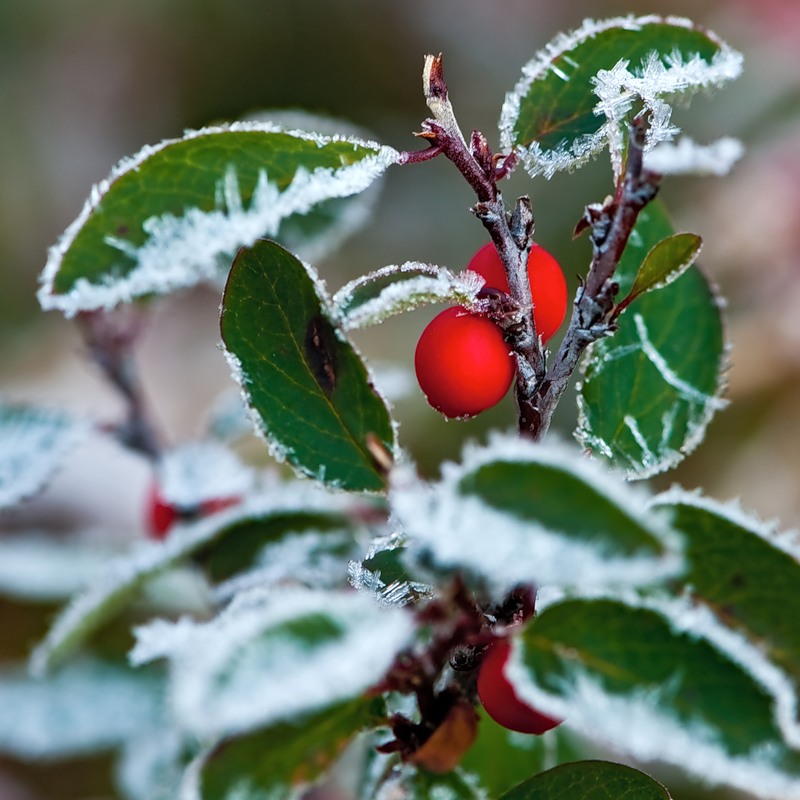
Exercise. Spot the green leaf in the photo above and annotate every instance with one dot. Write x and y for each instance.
(500, 758)
(745, 571)
(649, 391)
(661, 680)
(276, 761)
(516, 512)
(550, 117)
(665, 262)
(175, 214)
(589, 780)
(372, 298)
(310, 389)
(122, 581)
(273, 656)
(34, 443)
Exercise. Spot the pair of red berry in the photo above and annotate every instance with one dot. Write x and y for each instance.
(462, 361)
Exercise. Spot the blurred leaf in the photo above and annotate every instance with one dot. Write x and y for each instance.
(34, 443)
(662, 681)
(500, 758)
(550, 116)
(310, 389)
(124, 578)
(58, 717)
(418, 784)
(174, 214)
(276, 761)
(665, 262)
(744, 571)
(589, 780)
(272, 656)
(518, 513)
(649, 391)
(372, 298)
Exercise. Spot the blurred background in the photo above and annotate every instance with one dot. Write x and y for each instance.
(85, 83)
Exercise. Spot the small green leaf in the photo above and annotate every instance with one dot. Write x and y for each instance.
(662, 680)
(123, 579)
(175, 214)
(589, 780)
(34, 442)
(391, 290)
(278, 760)
(649, 391)
(517, 513)
(665, 262)
(744, 570)
(309, 387)
(550, 117)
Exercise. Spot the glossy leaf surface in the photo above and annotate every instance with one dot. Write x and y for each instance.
(309, 388)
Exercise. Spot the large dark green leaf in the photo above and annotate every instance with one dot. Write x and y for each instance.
(275, 761)
(649, 391)
(309, 387)
(743, 570)
(589, 780)
(170, 216)
(550, 115)
(515, 513)
(662, 681)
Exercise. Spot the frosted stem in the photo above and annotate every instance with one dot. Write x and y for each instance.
(593, 309)
(512, 233)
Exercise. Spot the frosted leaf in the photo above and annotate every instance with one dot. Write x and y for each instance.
(86, 707)
(630, 62)
(642, 724)
(621, 91)
(313, 559)
(686, 157)
(496, 533)
(151, 767)
(40, 568)
(199, 471)
(124, 576)
(180, 250)
(373, 298)
(34, 442)
(272, 656)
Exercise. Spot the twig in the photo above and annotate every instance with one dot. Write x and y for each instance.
(593, 310)
(110, 338)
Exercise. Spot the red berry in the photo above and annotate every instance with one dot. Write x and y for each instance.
(500, 700)
(161, 516)
(463, 364)
(548, 287)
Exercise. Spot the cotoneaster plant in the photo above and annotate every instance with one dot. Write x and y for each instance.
(344, 627)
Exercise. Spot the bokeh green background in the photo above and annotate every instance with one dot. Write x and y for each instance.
(86, 82)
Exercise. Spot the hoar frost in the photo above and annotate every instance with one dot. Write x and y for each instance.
(263, 659)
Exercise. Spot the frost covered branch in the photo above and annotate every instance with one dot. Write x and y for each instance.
(610, 226)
